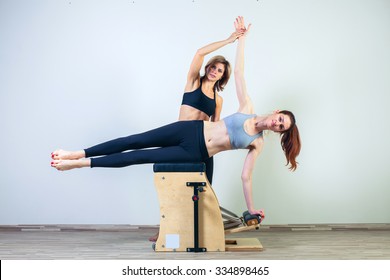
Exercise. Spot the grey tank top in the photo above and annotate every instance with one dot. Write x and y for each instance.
(239, 139)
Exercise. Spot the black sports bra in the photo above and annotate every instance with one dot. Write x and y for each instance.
(200, 101)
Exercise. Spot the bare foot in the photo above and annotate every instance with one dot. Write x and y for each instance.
(154, 237)
(63, 165)
(62, 154)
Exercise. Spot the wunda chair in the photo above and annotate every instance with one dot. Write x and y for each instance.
(190, 215)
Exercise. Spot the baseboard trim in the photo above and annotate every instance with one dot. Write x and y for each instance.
(131, 228)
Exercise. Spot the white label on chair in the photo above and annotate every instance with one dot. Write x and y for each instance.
(172, 241)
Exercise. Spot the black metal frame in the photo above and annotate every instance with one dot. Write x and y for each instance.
(198, 187)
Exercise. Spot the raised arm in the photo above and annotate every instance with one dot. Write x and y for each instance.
(196, 64)
(245, 103)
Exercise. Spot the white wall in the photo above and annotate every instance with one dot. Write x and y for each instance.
(76, 73)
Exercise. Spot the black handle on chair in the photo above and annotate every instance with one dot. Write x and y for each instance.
(251, 219)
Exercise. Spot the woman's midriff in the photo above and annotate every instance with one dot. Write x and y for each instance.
(188, 113)
(216, 137)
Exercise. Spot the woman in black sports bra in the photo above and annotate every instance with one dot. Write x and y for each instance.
(201, 100)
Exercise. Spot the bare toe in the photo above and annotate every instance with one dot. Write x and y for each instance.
(57, 154)
(154, 238)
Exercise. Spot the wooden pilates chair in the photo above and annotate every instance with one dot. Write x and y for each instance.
(190, 215)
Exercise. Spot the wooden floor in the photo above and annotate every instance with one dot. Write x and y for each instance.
(110, 242)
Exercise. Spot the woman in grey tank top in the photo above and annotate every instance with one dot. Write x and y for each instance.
(197, 140)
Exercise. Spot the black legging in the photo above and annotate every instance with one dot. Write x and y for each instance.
(181, 141)
(209, 169)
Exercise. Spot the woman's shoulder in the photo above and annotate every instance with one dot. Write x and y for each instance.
(246, 109)
(218, 99)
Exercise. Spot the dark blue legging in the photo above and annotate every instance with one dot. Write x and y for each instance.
(181, 141)
(209, 169)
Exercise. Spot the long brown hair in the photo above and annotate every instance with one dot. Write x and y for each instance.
(220, 84)
(290, 141)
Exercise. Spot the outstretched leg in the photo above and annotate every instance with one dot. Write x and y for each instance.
(165, 136)
(177, 142)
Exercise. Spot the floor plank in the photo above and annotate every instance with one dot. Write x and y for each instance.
(110, 242)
